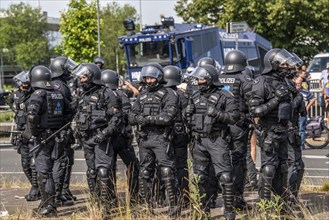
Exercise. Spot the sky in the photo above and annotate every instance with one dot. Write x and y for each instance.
(151, 9)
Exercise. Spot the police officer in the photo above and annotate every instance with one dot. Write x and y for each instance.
(99, 62)
(239, 85)
(122, 142)
(18, 102)
(213, 184)
(97, 117)
(173, 76)
(61, 68)
(208, 114)
(271, 107)
(153, 112)
(45, 115)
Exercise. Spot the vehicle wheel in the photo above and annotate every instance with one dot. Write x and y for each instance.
(320, 142)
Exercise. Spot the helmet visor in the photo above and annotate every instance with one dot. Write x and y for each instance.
(80, 71)
(150, 71)
(70, 65)
(283, 57)
(201, 73)
(297, 59)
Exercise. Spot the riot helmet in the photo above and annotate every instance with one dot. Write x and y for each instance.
(110, 78)
(207, 73)
(40, 77)
(210, 61)
(235, 61)
(22, 78)
(62, 66)
(153, 70)
(91, 71)
(278, 60)
(172, 75)
(99, 62)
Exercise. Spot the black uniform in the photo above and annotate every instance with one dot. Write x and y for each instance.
(154, 111)
(98, 114)
(295, 161)
(271, 102)
(122, 145)
(240, 86)
(64, 162)
(18, 102)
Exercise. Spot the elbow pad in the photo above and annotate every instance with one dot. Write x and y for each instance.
(264, 109)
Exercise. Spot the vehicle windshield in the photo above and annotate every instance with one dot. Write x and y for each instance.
(143, 53)
(318, 64)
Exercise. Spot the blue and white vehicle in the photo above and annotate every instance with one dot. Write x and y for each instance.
(184, 45)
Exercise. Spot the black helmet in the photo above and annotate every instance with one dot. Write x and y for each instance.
(110, 78)
(276, 57)
(40, 77)
(172, 76)
(207, 72)
(154, 70)
(235, 61)
(61, 66)
(91, 70)
(99, 60)
(210, 61)
(21, 78)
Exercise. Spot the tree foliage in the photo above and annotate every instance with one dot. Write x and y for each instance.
(78, 26)
(112, 16)
(23, 32)
(301, 26)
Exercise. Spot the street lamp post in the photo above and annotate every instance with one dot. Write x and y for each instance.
(98, 31)
(2, 77)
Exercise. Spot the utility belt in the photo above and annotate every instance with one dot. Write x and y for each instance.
(221, 133)
(154, 130)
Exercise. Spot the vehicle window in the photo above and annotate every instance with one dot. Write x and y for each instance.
(318, 64)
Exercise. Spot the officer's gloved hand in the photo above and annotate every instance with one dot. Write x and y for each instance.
(189, 109)
(100, 137)
(281, 93)
(141, 120)
(212, 112)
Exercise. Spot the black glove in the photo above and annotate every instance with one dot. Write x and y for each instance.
(100, 137)
(212, 112)
(141, 120)
(281, 93)
(189, 109)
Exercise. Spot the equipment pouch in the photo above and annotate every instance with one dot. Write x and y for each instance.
(268, 145)
(208, 122)
(199, 122)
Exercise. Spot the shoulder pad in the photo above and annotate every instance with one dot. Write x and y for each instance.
(248, 78)
(37, 92)
(57, 85)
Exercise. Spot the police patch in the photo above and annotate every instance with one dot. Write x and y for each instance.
(57, 85)
(38, 92)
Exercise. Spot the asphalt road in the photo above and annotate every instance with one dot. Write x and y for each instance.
(316, 162)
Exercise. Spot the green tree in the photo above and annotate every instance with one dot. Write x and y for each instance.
(23, 31)
(78, 26)
(301, 26)
(112, 16)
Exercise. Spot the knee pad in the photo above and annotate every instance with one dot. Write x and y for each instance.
(91, 174)
(225, 178)
(145, 174)
(203, 179)
(25, 163)
(269, 171)
(32, 162)
(103, 173)
(166, 172)
(284, 168)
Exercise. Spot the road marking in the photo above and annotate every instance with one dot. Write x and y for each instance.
(315, 157)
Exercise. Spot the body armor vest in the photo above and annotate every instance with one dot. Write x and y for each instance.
(151, 102)
(283, 112)
(233, 83)
(92, 112)
(52, 117)
(20, 105)
(200, 121)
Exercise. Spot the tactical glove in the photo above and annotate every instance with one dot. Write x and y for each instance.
(100, 137)
(212, 112)
(141, 120)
